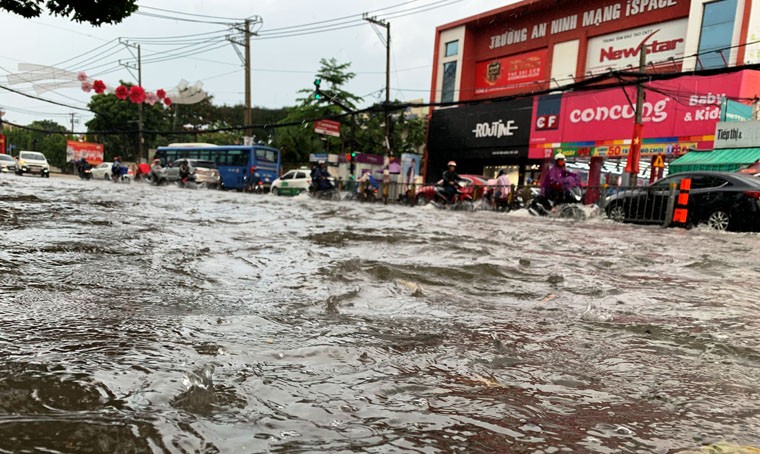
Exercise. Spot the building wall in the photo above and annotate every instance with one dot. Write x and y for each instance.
(447, 36)
(522, 48)
(695, 27)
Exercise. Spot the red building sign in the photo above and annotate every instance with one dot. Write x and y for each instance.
(510, 73)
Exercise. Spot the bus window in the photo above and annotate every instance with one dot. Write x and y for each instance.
(238, 158)
(265, 155)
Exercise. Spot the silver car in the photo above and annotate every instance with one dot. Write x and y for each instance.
(206, 173)
(7, 163)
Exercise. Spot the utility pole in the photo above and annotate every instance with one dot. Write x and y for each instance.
(245, 59)
(634, 152)
(140, 140)
(73, 120)
(382, 23)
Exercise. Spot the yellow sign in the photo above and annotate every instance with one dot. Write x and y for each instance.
(658, 163)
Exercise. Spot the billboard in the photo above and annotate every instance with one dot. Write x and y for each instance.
(738, 134)
(621, 49)
(678, 111)
(92, 152)
(510, 73)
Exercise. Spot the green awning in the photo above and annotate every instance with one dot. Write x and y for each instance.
(723, 160)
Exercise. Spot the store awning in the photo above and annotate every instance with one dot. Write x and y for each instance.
(723, 160)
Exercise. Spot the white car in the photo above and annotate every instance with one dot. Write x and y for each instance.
(32, 162)
(103, 172)
(7, 163)
(293, 182)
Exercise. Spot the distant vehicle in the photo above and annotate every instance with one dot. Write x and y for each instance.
(292, 182)
(103, 172)
(232, 161)
(472, 183)
(32, 162)
(7, 163)
(206, 173)
(721, 200)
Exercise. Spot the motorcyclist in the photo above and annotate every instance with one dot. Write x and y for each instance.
(367, 181)
(143, 169)
(116, 168)
(82, 166)
(451, 181)
(156, 171)
(320, 177)
(253, 179)
(559, 181)
(502, 185)
(184, 171)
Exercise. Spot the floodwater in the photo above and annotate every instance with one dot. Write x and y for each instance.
(144, 319)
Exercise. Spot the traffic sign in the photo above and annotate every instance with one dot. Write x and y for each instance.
(658, 162)
(327, 127)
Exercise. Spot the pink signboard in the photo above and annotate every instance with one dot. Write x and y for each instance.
(687, 107)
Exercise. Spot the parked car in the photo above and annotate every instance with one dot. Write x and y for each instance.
(32, 162)
(7, 163)
(292, 182)
(722, 200)
(103, 172)
(206, 172)
(472, 184)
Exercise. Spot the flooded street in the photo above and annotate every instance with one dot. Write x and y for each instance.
(144, 319)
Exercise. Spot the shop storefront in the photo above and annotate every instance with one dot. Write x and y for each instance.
(479, 136)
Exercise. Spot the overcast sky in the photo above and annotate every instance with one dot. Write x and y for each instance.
(281, 65)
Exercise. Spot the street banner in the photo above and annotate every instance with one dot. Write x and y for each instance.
(410, 167)
(634, 155)
(92, 152)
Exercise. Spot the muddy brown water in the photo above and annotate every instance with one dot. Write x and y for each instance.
(143, 319)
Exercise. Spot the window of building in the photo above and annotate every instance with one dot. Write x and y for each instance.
(452, 48)
(449, 81)
(716, 33)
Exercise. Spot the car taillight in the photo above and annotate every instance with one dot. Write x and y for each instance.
(753, 194)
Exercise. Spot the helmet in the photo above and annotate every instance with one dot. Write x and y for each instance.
(452, 163)
(559, 156)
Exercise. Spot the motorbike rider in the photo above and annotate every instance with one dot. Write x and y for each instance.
(156, 170)
(450, 181)
(367, 181)
(253, 179)
(502, 185)
(558, 182)
(82, 166)
(320, 177)
(116, 168)
(184, 171)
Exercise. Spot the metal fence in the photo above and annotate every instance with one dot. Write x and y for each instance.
(624, 204)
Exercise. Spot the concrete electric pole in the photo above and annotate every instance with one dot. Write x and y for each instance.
(634, 152)
(387, 25)
(245, 58)
(138, 68)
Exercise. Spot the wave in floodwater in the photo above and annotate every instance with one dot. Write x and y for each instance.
(143, 319)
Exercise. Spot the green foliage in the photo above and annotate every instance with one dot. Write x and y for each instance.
(53, 146)
(95, 12)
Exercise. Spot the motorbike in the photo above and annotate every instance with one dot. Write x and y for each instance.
(256, 186)
(187, 182)
(567, 208)
(459, 201)
(121, 175)
(330, 193)
(157, 177)
(85, 172)
(367, 194)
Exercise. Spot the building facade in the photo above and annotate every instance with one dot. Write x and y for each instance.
(486, 68)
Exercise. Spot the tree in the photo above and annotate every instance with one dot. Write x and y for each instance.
(96, 12)
(119, 119)
(299, 141)
(53, 146)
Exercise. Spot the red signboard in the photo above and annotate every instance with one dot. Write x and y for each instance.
(685, 107)
(510, 73)
(2, 144)
(327, 127)
(92, 152)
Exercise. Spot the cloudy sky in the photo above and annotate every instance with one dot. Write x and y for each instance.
(285, 55)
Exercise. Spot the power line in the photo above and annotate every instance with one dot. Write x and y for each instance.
(43, 99)
(181, 19)
(190, 14)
